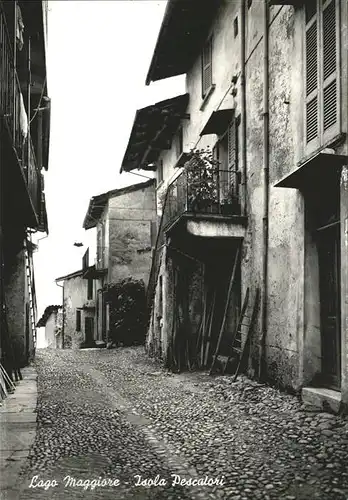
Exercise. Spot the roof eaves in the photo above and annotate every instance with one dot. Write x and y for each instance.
(69, 276)
(156, 123)
(161, 34)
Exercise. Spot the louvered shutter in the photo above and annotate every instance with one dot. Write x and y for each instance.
(311, 83)
(207, 67)
(329, 74)
(232, 159)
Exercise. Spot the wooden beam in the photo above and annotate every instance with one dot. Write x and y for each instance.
(225, 311)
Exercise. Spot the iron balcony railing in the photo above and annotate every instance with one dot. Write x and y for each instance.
(198, 191)
(203, 191)
(15, 117)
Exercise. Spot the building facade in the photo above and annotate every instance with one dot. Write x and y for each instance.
(79, 310)
(51, 320)
(262, 211)
(125, 223)
(24, 147)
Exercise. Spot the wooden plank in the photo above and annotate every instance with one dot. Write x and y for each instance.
(210, 323)
(226, 309)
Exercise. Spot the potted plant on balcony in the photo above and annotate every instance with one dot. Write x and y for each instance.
(202, 185)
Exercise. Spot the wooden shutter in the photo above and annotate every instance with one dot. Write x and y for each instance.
(329, 70)
(207, 67)
(322, 83)
(232, 158)
(311, 79)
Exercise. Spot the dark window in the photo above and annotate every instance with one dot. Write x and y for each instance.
(249, 3)
(160, 171)
(90, 289)
(160, 304)
(235, 27)
(78, 320)
(226, 151)
(179, 142)
(207, 76)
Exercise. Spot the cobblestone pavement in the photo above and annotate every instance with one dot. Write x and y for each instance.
(112, 415)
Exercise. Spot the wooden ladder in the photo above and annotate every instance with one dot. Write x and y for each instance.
(238, 349)
(31, 293)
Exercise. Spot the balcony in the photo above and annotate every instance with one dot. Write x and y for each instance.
(204, 201)
(21, 172)
(89, 304)
(91, 272)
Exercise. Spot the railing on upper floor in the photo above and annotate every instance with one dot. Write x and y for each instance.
(203, 191)
(15, 118)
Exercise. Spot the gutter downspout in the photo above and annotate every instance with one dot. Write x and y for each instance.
(243, 106)
(63, 314)
(265, 226)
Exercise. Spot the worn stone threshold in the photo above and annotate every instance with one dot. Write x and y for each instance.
(326, 399)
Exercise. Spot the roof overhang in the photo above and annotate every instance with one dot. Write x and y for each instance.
(93, 273)
(152, 132)
(184, 29)
(317, 169)
(218, 122)
(75, 274)
(47, 313)
(95, 209)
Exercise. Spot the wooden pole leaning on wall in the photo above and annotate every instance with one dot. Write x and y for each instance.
(209, 326)
(225, 310)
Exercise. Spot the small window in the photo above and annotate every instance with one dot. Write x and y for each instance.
(160, 171)
(179, 142)
(207, 76)
(78, 320)
(90, 289)
(235, 27)
(249, 3)
(160, 298)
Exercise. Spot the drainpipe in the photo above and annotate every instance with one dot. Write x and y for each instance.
(243, 106)
(265, 228)
(63, 314)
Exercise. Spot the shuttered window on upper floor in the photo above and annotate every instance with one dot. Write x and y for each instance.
(207, 75)
(322, 82)
(226, 153)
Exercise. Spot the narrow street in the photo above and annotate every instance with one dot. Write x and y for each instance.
(115, 415)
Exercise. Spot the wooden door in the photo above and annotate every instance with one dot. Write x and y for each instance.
(329, 274)
(89, 330)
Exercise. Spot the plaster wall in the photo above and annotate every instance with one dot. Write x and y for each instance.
(17, 300)
(75, 296)
(293, 349)
(130, 218)
(50, 333)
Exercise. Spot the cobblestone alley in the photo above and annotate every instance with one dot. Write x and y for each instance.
(116, 416)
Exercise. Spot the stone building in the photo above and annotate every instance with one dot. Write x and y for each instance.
(79, 310)
(266, 87)
(125, 223)
(24, 148)
(51, 320)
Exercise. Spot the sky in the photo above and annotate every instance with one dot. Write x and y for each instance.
(98, 56)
